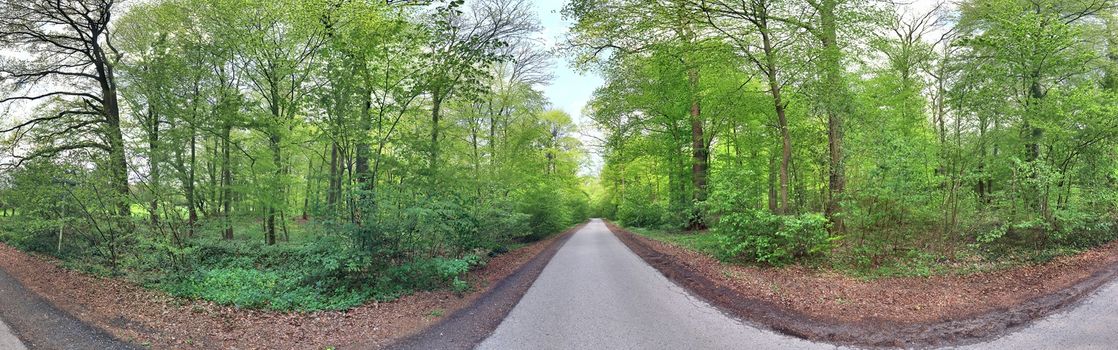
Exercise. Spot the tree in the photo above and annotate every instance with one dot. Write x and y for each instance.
(759, 14)
(620, 29)
(278, 55)
(70, 64)
(464, 44)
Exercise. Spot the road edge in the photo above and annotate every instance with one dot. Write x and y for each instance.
(39, 323)
(947, 332)
(469, 326)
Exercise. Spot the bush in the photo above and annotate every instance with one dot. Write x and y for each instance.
(432, 274)
(501, 225)
(324, 274)
(769, 239)
(640, 213)
(546, 212)
(1081, 230)
(241, 287)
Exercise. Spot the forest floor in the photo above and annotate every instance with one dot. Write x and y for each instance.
(827, 305)
(154, 319)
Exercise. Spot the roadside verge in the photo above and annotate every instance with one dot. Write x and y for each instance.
(153, 319)
(39, 325)
(894, 312)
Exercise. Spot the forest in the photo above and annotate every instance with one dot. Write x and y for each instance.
(873, 136)
(281, 154)
(317, 154)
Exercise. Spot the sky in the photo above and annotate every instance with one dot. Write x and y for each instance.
(570, 90)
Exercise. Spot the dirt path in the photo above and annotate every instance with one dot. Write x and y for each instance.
(40, 325)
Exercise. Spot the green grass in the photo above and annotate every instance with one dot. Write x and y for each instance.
(702, 241)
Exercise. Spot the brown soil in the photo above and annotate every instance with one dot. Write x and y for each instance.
(828, 306)
(152, 318)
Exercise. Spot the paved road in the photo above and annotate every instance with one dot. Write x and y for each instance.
(596, 294)
(1093, 324)
(40, 325)
(8, 340)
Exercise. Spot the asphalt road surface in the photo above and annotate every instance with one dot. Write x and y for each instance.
(1093, 324)
(8, 340)
(596, 294)
(40, 325)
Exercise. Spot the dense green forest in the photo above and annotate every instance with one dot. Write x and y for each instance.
(284, 154)
(315, 154)
(861, 133)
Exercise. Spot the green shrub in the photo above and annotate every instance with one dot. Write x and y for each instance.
(501, 225)
(323, 274)
(1081, 230)
(248, 288)
(546, 212)
(758, 236)
(640, 213)
(434, 273)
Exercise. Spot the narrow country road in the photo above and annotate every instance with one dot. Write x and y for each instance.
(596, 294)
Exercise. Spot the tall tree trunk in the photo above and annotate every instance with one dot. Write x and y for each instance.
(1032, 135)
(226, 184)
(436, 112)
(118, 159)
(835, 109)
(270, 211)
(364, 126)
(700, 155)
(153, 164)
(781, 118)
(335, 179)
(307, 192)
(192, 212)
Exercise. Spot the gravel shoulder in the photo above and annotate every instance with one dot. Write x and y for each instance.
(150, 318)
(894, 312)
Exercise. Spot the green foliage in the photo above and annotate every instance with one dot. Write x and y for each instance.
(241, 287)
(705, 241)
(774, 240)
(431, 274)
(322, 275)
(640, 213)
(292, 155)
(547, 215)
